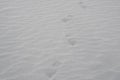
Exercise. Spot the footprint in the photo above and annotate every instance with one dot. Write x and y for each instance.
(72, 41)
(67, 18)
(50, 73)
(57, 64)
(82, 5)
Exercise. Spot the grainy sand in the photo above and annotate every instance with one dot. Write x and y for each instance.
(59, 40)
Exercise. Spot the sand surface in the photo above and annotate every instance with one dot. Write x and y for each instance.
(59, 40)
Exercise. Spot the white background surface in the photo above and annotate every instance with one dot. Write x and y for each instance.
(59, 39)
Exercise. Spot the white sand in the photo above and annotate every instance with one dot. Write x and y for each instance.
(59, 40)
